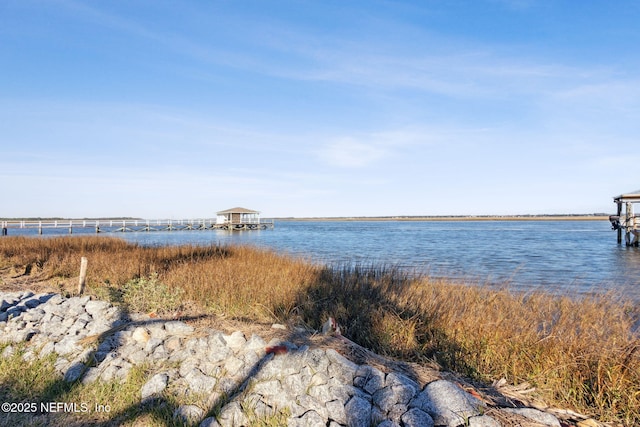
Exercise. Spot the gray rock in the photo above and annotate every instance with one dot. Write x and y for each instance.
(154, 386)
(374, 381)
(14, 312)
(341, 368)
(316, 360)
(179, 356)
(122, 373)
(34, 315)
(255, 343)
(74, 372)
(138, 357)
(32, 302)
(358, 412)
(336, 411)
(235, 341)
(309, 419)
(109, 373)
(483, 421)
(25, 335)
(217, 354)
(152, 344)
(447, 403)
(260, 409)
(96, 308)
(157, 331)
(305, 403)
(61, 364)
(176, 327)
(84, 357)
(320, 392)
(90, 376)
(160, 353)
(209, 422)
(279, 366)
(362, 376)
(535, 415)
(140, 335)
(268, 388)
(395, 379)
(251, 360)
(188, 414)
(417, 418)
(197, 345)
(75, 306)
(67, 345)
(231, 415)
(78, 327)
(172, 344)
(396, 412)
(233, 365)
(216, 339)
(68, 321)
(318, 386)
(385, 399)
(199, 382)
(344, 392)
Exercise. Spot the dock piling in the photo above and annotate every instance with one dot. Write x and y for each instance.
(619, 228)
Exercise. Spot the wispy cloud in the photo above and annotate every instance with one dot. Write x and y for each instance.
(359, 151)
(432, 64)
(351, 153)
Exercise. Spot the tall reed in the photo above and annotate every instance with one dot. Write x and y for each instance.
(581, 353)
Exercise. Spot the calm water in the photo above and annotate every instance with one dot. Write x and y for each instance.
(560, 256)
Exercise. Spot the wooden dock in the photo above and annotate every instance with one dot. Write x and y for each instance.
(626, 220)
(136, 225)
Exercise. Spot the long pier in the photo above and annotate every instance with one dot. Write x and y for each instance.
(136, 225)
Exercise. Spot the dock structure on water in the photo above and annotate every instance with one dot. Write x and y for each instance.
(626, 220)
(237, 219)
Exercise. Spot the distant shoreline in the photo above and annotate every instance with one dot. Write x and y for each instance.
(556, 217)
(594, 217)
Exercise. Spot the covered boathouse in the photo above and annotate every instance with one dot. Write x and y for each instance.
(241, 219)
(626, 220)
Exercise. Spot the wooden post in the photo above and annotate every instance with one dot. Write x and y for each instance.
(619, 228)
(628, 221)
(83, 275)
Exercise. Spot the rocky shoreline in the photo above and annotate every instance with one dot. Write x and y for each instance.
(95, 341)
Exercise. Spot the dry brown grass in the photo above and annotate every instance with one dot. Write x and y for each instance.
(581, 353)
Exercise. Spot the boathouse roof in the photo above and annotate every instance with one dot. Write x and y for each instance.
(237, 210)
(628, 197)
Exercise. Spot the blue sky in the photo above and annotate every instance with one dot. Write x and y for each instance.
(167, 109)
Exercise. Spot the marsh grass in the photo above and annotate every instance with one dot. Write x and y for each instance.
(581, 353)
(38, 382)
